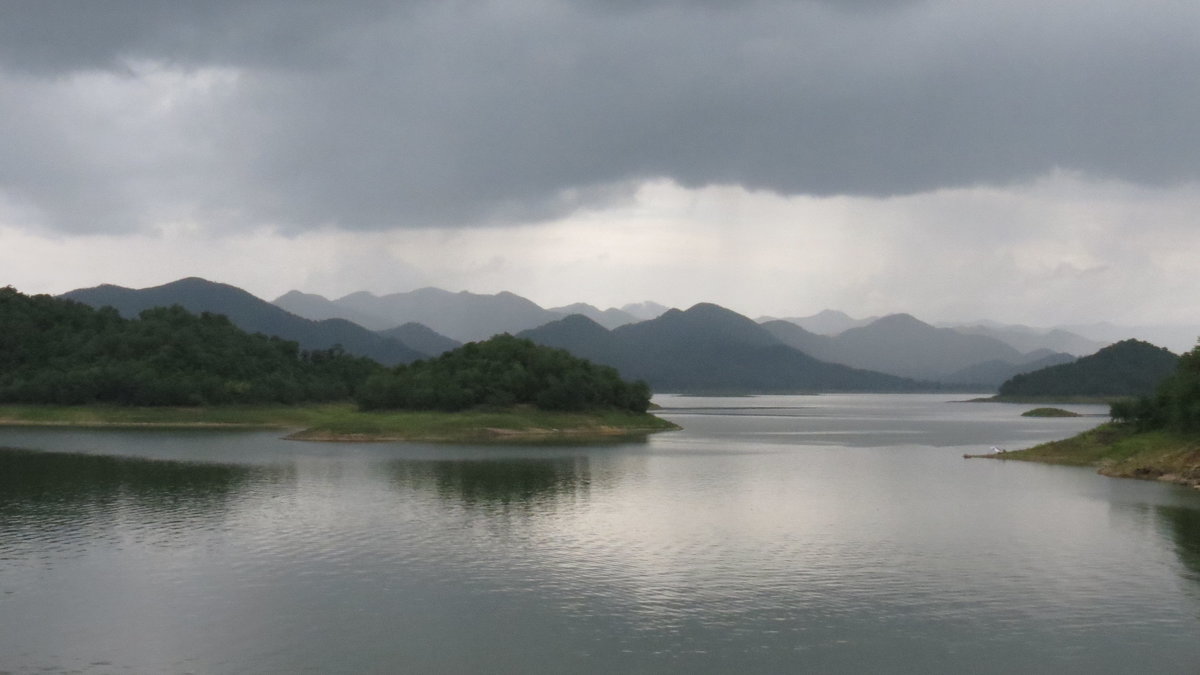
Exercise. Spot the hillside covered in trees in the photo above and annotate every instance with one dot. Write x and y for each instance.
(1176, 404)
(58, 351)
(1127, 368)
(503, 371)
(64, 352)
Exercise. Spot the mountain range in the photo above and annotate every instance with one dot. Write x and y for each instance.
(902, 345)
(718, 344)
(461, 316)
(708, 348)
(251, 314)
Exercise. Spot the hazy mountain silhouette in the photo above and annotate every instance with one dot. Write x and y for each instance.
(421, 338)
(825, 322)
(319, 308)
(581, 336)
(460, 316)
(609, 318)
(1127, 368)
(1025, 339)
(249, 313)
(815, 345)
(902, 345)
(708, 349)
(1180, 338)
(644, 311)
(992, 374)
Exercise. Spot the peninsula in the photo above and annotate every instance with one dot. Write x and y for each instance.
(64, 363)
(1150, 437)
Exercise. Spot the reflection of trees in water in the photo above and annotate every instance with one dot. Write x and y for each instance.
(61, 497)
(1184, 526)
(501, 481)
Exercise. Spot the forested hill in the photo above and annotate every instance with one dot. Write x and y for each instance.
(502, 372)
(59, 351)
(1127, 368)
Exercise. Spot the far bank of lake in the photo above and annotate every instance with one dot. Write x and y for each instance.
(345, 422)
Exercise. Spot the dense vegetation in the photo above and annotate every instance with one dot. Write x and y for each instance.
(503, 371)
(63, 352)
(1127, 368)
(58, 351)
(1152, 437)
(1176, 404)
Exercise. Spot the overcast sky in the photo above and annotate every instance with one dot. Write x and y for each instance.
(1024, 161)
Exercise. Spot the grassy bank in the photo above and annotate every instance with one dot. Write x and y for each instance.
(344, 421)
(1116, 450)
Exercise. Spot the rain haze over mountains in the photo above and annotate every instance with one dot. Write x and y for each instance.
(963, 163)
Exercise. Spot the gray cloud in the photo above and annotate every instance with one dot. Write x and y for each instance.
(374, 115)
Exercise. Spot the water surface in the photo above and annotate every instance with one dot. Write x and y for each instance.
(774, 534)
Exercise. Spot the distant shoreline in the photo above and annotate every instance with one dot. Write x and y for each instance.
(343, 422)
(1085, 400)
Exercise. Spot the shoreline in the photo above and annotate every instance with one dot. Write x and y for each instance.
(1117, 451)
(481, 435)
(343, 422)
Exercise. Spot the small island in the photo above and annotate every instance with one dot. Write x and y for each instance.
(63, 363)
(1049, 412)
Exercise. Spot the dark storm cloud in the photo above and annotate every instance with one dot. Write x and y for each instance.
(377, 115)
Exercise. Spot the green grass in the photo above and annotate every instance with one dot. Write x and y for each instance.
(1049, 412)
(343, 421)
(1117, 450)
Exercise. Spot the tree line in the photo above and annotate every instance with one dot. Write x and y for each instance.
(1174, 406)
(503, 371)
(63, 352)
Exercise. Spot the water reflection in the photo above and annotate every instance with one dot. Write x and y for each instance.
(746, 543)
(504, 482)
(53, 499)
(1183, 524)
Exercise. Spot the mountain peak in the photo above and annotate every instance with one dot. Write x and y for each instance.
(249, 313)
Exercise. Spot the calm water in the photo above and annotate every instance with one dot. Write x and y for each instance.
(775, 534)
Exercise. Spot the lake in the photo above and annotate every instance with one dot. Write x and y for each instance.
(774, 534)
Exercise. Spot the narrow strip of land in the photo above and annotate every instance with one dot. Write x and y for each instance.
(1119, 451)
(344, 422)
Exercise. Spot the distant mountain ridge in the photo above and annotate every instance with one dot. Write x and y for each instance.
(401, 327)
(708, 348)
(609, 318)
(251, 314)
(1026, 339)
(461, 316)
(900, 344)
(1126, 368)
(826, 322)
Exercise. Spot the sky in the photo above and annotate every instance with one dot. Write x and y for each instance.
(1020, 161)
